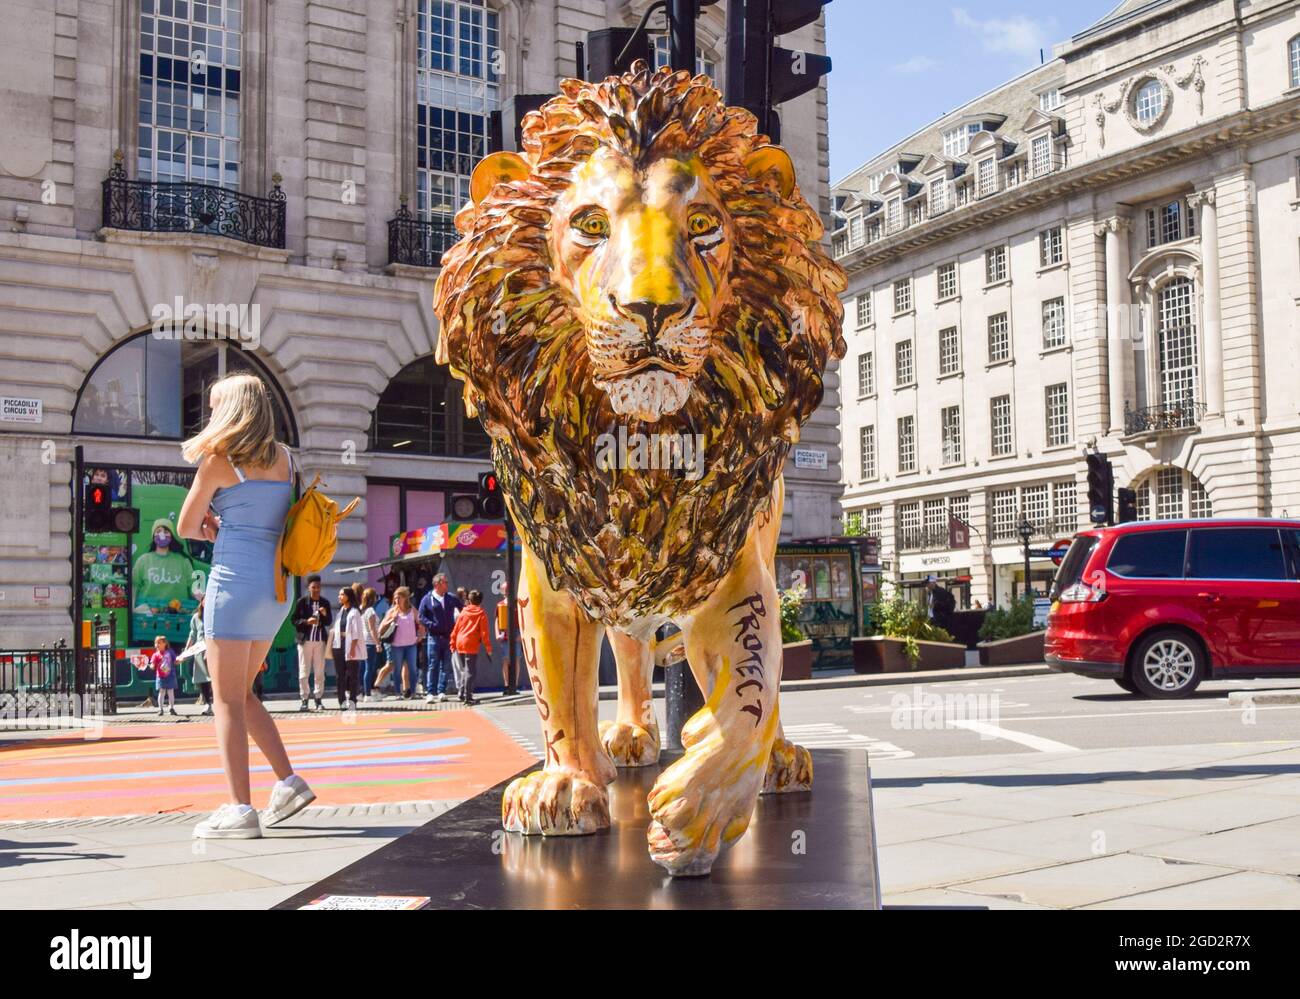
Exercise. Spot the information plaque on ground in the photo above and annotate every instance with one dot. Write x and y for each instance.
(803, 851)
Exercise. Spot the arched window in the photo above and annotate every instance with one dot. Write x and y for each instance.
(1179, 356)
(422, 412)
(1171, 493)
(1293, 58)
(157, 387)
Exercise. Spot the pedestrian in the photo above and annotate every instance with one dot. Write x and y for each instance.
(349, 649)
(163, 662)
(370, 628)
(941, 603)
(438, 615)
(199, 670)
(241, 493)
(402, 639)
(312, 617)
(508, 683)
(469, 633)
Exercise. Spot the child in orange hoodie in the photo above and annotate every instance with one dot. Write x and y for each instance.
(471, 630)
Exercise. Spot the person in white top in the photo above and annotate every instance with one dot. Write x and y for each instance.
(370, 624)
(349, 648)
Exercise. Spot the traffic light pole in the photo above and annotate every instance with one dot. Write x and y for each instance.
(681, 37)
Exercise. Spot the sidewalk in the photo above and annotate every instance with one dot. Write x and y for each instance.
(1178, 827)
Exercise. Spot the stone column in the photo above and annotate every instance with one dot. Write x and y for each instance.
(1115, 232)
(1211, 310)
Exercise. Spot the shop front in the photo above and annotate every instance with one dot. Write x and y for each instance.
(832, 577)
(1009, 574)
(952, 569)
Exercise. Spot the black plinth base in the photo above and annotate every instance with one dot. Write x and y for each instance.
(802, 851)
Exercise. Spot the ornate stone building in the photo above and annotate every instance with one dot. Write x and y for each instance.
(1101, 252)
(288, 169)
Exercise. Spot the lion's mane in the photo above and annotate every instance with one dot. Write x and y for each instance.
(629, 543)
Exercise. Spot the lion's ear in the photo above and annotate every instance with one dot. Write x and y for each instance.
(499, 168)
(772, 160)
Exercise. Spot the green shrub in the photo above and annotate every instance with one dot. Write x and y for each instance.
(1010, 623)
(791, 600)
(898, 617)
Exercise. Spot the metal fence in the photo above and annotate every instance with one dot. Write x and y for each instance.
(57, 681)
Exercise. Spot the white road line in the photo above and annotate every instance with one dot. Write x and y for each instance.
(1164, 711)
(1023, 738)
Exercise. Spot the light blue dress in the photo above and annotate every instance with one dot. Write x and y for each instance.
(240, 601)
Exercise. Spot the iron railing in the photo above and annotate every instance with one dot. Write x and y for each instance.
(186, 206)
(59, 681)
(419, 242)
(1167, 418)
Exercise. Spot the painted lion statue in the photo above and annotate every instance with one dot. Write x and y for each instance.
(641, 313)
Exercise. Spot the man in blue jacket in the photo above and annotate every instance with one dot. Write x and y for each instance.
(438, 612)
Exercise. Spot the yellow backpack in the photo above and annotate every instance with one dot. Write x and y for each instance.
(310, 536)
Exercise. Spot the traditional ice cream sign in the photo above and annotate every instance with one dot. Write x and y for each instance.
(450, 536)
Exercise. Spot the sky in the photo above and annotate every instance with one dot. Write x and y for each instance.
(899, 66)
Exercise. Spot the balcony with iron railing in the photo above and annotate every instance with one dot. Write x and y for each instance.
(1167, 418)
(419, 242)
(191, 207)
(1043, 530)
(923, 540)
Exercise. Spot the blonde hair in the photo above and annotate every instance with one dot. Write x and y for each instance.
(402, 594)
(369, 597)
(242, 425)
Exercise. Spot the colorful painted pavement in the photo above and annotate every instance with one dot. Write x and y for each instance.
(157, 767)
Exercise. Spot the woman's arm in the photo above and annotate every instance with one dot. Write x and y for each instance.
(194, 511)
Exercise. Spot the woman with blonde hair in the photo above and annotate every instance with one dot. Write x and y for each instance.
(406, 633)
(241, 492)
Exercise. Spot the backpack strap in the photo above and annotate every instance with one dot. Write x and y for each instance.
(293, 470)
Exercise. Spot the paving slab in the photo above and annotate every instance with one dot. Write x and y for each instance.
(949, 898)
(1037, 803)
(1065, 886)
(906, 825)
(1267, 846)
(116, 886)
(1215, 811)
(1242, 890)
(1067, 839)
(910, 866)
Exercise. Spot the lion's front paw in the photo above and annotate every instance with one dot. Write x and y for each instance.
(699, 805)
(789, 768)
(555, 803)
(630, 745)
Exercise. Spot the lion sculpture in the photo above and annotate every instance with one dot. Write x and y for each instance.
(646, 271)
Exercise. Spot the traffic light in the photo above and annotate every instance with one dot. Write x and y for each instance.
(1101, 489)
(98, 508)
(606, 45)
(1128, 506)
(491, 504)
(762, 74)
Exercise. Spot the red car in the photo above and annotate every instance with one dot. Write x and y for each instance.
(1159, 606)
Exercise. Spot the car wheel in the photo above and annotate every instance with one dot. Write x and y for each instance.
(1167, 663)
(1126, 682)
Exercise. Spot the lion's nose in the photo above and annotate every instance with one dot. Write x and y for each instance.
(652, 316)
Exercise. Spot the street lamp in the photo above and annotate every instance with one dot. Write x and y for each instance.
(1026, 531)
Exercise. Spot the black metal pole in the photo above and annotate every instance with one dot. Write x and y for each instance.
(512, 623)
(681, 34)
(78, 541)
(1027, 585)
(580, 60)
(736, 53)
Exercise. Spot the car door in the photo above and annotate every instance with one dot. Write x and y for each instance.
(1241, 585)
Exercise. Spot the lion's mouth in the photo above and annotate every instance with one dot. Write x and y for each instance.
(648, 393)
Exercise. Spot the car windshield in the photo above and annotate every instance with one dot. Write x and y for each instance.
(1073, 563)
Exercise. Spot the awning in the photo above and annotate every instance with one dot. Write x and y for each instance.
(413, 559)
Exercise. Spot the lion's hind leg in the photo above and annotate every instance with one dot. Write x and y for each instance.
(632, 738)
(789, 768)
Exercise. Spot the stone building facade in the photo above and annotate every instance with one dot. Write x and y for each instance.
(1101, 253)
(324, 121)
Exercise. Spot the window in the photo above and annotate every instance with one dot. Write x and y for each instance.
(1003, 503)
(995, 264)
(1149, 555)
(703, 63)
(1149, 102)
(949, 351)
(1000, 424)
(1198, 500)
(906, 444)
(1013, 174)
(1051, 247)
(866, 374)
(1050, 100)
(1065, 506)
(999, 338)
(1170, 222)
(986, 177)
(1036, 506)
(867, 449)
(894, 214)
(188, 126)
(1236, 553)
(1178, 348)
(1294, 52)
(1040, 155)
(1058, 415)
(909, 526)
(934, 524)
(457, 89)
(916, 213)
(950, 421)
(959, 507)
(947, 281)
(1169, 494)
(864, 310)
(1053, 323)
(938, 196)
(956, 142)
(853, 523)
(1173, 493)
(963, 194)
(904, 369)
(422, 412)
(902, 296)
(873, 521)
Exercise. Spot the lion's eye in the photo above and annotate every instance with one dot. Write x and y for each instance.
(594, 224)
(702, 224)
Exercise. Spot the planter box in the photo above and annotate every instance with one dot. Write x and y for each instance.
(1013, 651)
(796, 662)
(889, 655)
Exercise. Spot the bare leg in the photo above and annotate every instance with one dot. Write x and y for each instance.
(228, 665)
(632, 739)
(260, 724)
(705, 800)
(561, 647)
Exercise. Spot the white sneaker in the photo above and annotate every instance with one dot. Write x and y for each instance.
(289, 797)
(229, 822)
(428, 698)
(441, 698)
